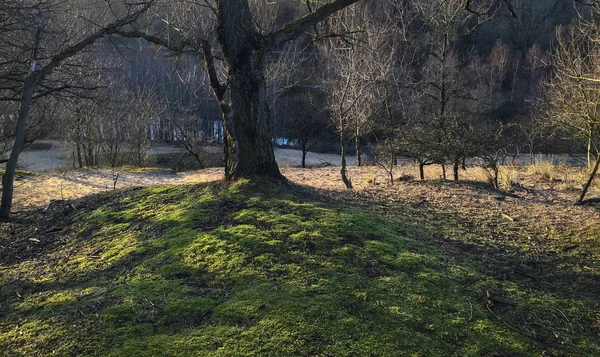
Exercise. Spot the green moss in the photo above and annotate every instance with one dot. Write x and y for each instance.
(252, 270)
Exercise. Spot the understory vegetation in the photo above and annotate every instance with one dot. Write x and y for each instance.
(259, 269)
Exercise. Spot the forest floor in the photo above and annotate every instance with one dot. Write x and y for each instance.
(453, 268)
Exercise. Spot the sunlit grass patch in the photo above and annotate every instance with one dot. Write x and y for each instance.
(543, 167)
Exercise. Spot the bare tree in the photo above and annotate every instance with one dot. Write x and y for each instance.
(572, 93)
(58, 36)
(81, 129)
(142, 106)
(347, 98)
(359, 58)
(451, 83)
(308, 119)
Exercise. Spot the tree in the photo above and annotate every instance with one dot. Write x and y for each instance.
(572, 93)
(242, 94)
(358, 58)
(83, 132)
(247, 115)
(307, 119)
(452, 84)
(349, 93)
(50, 39)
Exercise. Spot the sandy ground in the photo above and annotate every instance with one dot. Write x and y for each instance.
(293, 158)
(41, 188)
(60, 157)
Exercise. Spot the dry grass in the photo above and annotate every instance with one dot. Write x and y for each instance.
(38, 190)
(510, 177)
(544, 168)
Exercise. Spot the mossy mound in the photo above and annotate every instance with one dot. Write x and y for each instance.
(253, 270)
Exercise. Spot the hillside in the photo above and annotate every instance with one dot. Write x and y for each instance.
(256, 269)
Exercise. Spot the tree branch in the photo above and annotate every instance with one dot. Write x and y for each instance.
(88, 41)
(294, 29)
(178, 47)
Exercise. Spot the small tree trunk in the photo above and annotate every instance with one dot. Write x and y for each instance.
(531, 155)
(421, 171)
(91, 157)
(589, 181)
(496, 170)
(304, 151)
(78, 142)
(345, 178)
(8, 178)
(357, 144)
(138, 152)
(86, 159)
(443, 171)
(196, 156)
(79, 158)
(456, 168)
(589, 152)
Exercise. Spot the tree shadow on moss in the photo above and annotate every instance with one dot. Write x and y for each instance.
(543, 291)
(255, 270)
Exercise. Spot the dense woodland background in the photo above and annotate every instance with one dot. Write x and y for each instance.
(431, 80)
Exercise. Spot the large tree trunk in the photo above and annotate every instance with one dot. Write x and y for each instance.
(8, 178)
(249, 119)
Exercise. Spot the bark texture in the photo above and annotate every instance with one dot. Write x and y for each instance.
(8, 178)
(248, 119)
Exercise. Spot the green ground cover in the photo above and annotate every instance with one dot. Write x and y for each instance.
(258, 270)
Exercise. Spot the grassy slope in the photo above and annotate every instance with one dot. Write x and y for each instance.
(208, 271)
